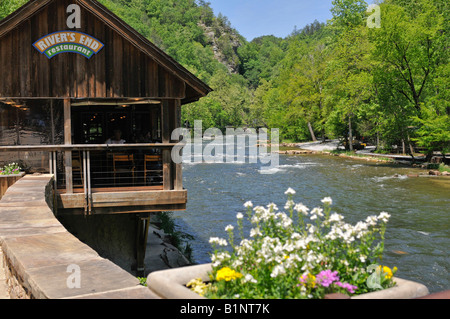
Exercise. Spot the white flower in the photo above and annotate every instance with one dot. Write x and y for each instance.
(327, 201)
(360, 226)
(289, 247)
(255, 219)
(255, 232)
(332, 234)
(245, 247)
(248, 204)
(249, 278)
(360, 229)
(277, 270)
(384, 217)
(362, 258)
(217, 259)
(301, 244)
(296, 236)
(336, 217)
(300, 208)
(311, 228)
(371, 220)
(289, 191)
(218, 241)
(237, 263)
(229, 228)
(289, 204)
(317, 211)
(344, 262)
(285, 221)
(239, 216)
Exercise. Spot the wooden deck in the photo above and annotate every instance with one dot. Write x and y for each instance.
(122, 200)
(169, 195)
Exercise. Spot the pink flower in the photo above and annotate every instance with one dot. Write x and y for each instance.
(326, 277)
(350, 288)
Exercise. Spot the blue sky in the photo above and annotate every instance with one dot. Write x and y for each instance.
(254, 18)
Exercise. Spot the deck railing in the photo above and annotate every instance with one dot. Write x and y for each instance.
(82, 168)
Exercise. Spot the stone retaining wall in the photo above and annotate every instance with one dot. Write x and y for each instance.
(44, 261)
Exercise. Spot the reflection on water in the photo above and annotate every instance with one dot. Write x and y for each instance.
(418, 234)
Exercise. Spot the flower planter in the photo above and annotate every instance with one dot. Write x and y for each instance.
(171, 284)
(8, 180)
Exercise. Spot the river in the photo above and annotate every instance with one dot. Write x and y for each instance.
(418, 233)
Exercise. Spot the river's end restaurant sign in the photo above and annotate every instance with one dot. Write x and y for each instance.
(69, 41)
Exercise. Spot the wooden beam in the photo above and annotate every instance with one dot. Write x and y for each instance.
(124, 199)
(68, 141)
(125, 209)
(83, 147)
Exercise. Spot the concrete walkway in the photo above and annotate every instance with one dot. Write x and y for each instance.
(41, 252)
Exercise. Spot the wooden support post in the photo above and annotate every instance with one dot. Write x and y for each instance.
(166, 155)
(88, 178)
(68, 141)
(55, 173)
(167, 174)
(143, 222)
(86, 194)
(178, 178)
(178, 185)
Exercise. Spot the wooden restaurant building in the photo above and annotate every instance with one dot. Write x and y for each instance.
(85, 97)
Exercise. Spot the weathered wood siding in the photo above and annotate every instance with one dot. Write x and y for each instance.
(119, 70)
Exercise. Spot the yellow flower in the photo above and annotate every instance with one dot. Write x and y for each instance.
(387, 271)
(308, 280)
(227, 274)
(198, 286)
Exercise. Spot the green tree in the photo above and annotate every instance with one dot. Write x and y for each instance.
(410, 48)
(259, 58)
(348, 14)
(9, 6)
(351, 83)
(433, 133)
(306, 88)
